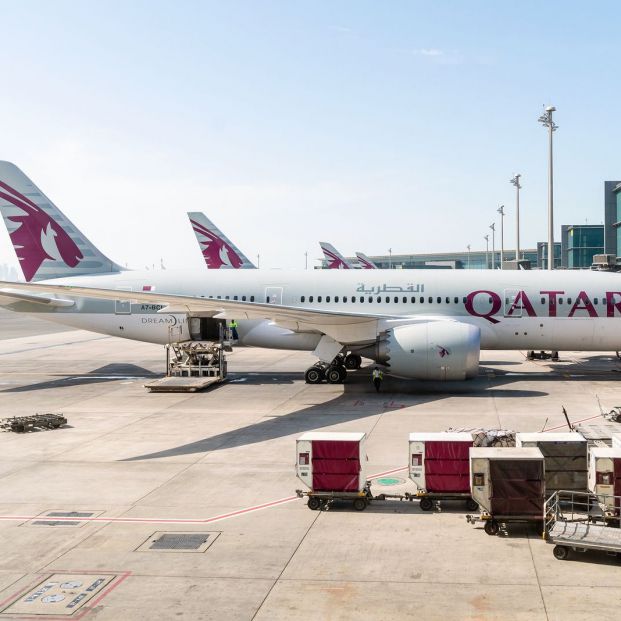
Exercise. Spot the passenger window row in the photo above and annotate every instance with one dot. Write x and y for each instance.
(244, 298)
(379, 299)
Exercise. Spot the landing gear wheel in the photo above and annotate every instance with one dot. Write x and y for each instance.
(313, 375)
(472, 505)
(360, 504)
(336, 375)
(492, 527)
(352, 361)
(313, 503)
(561, 552)
(426, 504)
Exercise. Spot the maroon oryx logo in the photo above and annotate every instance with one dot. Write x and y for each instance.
(442, 351)
(216, 252)
(39, 236)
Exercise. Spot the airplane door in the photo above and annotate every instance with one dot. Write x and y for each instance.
(123, 306)
(273, 295)
(510, 309)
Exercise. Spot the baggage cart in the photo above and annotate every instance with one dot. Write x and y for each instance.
(439, 466)
(565, 457)
(576, 522)
(508, 484)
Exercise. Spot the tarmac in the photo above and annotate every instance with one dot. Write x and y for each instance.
(132, 466)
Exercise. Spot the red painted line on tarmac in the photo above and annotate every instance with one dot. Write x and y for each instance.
(115, 583)
(573, 423)
(19, 593)
(131, 520)
(383, 474)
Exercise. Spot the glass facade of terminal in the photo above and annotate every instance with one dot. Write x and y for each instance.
(580, 244)
(477, 260)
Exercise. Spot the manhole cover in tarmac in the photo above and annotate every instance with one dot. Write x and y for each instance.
(178, 542)
(63, 518)
(59, 595)
(389, 481)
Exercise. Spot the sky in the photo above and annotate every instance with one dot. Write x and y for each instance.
(372, 125)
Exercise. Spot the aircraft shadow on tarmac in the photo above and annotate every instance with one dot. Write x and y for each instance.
(107, 373)
(358, 400)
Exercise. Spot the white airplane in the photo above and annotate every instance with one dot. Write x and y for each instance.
(217, 249)
(418, 324)
(365, 262)
(336, 261)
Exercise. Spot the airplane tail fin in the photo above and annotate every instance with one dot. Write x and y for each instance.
(365, 262)
(336, 261)
(45, 241)
(218, 250)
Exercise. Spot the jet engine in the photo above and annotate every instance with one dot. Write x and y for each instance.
(435, 350)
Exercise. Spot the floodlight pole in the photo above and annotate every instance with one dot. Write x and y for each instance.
(501, 211)
(515, 180)
(546, 120)
(486, 238)
(468, 246)
(493, 227)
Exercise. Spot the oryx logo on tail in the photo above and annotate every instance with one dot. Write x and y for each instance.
(38, 236)
(217, 253)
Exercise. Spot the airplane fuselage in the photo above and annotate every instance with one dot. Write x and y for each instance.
(561, 310)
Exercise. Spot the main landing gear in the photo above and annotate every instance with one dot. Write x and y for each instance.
(333, 373)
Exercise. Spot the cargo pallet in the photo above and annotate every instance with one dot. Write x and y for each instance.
(428, 499)
(24, 424)
(360, 500)
(492, 523)
(580, 521)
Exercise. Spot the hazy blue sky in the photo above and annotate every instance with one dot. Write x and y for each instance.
(368, 124)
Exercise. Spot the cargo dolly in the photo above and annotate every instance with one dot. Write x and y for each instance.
(579, 521)
(493, 522)
(359, 500)
(429, 499)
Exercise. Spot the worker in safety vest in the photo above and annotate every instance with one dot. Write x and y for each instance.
(233, 328)
(378, 376)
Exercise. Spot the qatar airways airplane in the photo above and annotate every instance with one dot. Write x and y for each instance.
(418, 324)
(217, 249)
(336, 261)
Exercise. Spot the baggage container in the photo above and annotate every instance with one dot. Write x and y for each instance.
(440, 467)
(565, 456)
(605, 476)
(508, 484)
(332, 461)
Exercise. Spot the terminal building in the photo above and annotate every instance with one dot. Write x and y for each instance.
(581, 246)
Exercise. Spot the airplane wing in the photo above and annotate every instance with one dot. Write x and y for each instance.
(344, 327)
(14, 296)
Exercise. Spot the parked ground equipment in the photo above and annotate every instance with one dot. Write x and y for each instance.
(576, 522)
(440, 467)
(333, 466)
(36, 422)
(508, 484)
(565, 456)
(605, 478)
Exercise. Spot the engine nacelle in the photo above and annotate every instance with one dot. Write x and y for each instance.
(435, 350)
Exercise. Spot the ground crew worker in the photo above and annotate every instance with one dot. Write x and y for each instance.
(233, 328)
(378, 376)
